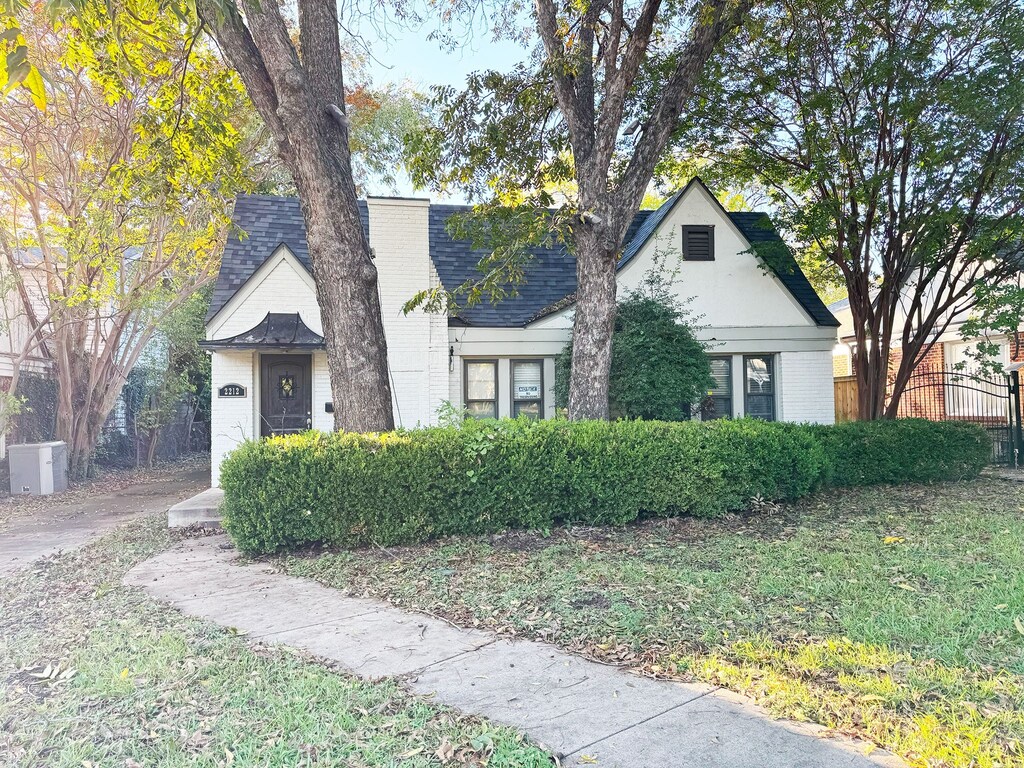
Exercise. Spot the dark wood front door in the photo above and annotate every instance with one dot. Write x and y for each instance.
(286, 394)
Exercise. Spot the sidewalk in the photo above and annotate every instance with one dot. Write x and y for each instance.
(63, 525)
(585, 712)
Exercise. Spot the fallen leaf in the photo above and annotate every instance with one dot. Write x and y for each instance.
(445, 752)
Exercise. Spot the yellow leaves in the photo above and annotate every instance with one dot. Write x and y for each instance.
(16, 67)
(871, 698)
(892, 540)
(33, 83)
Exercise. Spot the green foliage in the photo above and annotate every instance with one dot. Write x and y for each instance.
(659, 368)
(889, 137)
(349, 489)
(34, 419)
(867, 453)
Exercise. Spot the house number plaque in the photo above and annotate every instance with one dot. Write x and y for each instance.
(231, 390)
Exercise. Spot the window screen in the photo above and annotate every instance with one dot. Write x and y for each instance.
(698, 243)
(527, 388)
(759, 392)
(482, 388)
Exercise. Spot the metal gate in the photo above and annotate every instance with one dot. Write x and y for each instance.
(991, 400)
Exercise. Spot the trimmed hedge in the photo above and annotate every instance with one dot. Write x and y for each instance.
(349, 489)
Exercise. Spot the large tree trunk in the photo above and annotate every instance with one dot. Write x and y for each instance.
(346, 287)
(303, 105)
(592, 328)
(871, 384)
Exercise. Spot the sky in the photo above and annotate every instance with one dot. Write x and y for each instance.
(407, 55)
(403, 55)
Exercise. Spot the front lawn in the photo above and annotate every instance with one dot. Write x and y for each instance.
(95, 674)
(893, 613)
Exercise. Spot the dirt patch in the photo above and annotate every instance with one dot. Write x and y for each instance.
(520, 541)
(591, 600)
(22, 684)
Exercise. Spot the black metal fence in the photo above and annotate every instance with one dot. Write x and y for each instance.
(123, 443)
(991, 400)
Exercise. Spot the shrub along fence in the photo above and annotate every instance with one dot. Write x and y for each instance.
(404, 487)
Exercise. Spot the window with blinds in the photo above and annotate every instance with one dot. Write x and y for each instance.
(718, 404)
(759, 387)
(527, 388)
(481, 389)
(698, 243)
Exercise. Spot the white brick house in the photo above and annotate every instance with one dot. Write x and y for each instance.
(770, 336)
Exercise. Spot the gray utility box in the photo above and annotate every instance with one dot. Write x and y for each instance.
(38, 469)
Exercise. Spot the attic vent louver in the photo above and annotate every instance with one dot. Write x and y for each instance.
(698, 243)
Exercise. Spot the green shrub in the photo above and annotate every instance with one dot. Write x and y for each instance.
(404, 487)
(902, 451)
(658, 363)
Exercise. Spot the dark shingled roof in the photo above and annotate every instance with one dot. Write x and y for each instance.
(260, 224)
(281, 330)
(550, 275)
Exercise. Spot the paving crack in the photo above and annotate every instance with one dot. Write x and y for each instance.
(639, 722)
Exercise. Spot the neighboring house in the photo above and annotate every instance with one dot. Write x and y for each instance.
(949, 382)
(20, 347)
(770, 336)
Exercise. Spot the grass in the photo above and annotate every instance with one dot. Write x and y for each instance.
(893, 614)
(152, 688)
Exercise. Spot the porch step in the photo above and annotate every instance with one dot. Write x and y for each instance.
(202, 509)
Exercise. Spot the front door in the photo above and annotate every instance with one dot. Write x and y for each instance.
(286, 400)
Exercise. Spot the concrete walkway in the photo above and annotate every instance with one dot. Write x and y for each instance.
(585, 712)
(63, 525)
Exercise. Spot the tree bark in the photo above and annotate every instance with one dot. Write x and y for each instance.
(607, 205)
(303, 104)
(592, 328)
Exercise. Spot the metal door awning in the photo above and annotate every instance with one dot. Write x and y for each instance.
(278, 330)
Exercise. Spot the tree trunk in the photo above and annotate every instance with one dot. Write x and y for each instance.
(871, 388)
(303, 105)
(154, 439)
(346, 287)
(592, 327)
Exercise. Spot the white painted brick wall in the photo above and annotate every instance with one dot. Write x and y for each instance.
(439, 356)
(321, 393)
(417, 342)
(231, 418)
(806, 389)
(283, 285)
